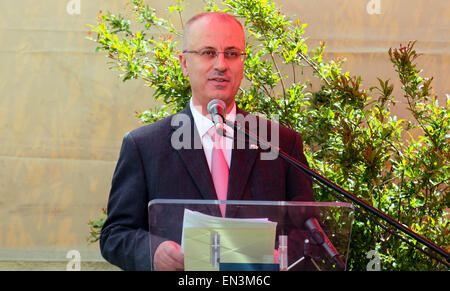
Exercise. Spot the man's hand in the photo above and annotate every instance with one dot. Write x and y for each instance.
(168, 257)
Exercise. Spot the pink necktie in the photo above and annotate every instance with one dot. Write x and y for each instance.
(219, 169)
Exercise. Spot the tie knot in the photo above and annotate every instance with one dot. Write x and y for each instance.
(213, 134)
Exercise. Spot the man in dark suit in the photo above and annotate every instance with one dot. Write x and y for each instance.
(152, 165)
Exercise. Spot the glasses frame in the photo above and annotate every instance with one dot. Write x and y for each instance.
(216, 54)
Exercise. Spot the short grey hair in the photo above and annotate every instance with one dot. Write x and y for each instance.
(218, 14)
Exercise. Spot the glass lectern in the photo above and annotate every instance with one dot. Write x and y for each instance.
(253, 235)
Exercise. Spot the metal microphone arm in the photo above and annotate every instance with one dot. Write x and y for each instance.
(305, 169)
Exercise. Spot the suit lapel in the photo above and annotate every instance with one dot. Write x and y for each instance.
(194, 159)
(242, 162)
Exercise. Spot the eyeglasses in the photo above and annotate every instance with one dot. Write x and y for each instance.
(210, 54)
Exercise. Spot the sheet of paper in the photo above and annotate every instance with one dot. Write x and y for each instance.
(241, 240)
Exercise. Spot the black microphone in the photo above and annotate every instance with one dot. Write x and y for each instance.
(217, 109)
(319, 236)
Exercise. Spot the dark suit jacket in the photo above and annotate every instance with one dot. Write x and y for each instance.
(149, 168)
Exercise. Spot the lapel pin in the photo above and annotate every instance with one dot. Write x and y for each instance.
(253, 146)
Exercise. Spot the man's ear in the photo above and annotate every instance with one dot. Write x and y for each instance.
(182, 58)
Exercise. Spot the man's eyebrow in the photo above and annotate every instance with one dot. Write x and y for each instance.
(234, 48)
(227, 48)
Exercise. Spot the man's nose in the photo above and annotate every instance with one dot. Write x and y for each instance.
(220, 63)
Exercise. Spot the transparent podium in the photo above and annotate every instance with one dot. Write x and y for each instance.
(253, 235)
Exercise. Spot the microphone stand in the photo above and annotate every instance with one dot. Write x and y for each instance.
(317, 177)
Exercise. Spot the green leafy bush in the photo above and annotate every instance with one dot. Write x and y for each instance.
(399, 166)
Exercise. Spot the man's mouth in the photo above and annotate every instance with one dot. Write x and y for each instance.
(219, 79)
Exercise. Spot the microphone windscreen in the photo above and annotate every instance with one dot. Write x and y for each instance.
(216, 106)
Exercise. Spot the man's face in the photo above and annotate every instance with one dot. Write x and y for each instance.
(218, 77)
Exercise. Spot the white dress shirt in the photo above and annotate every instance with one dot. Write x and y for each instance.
(203, 124)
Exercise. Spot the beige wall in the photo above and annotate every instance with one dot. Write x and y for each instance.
(63, 113)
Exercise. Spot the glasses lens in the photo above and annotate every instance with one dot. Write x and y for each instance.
(210, 54)
(232, 55)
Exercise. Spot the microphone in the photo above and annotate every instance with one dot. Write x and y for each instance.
(318, 235)
(217, 108)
